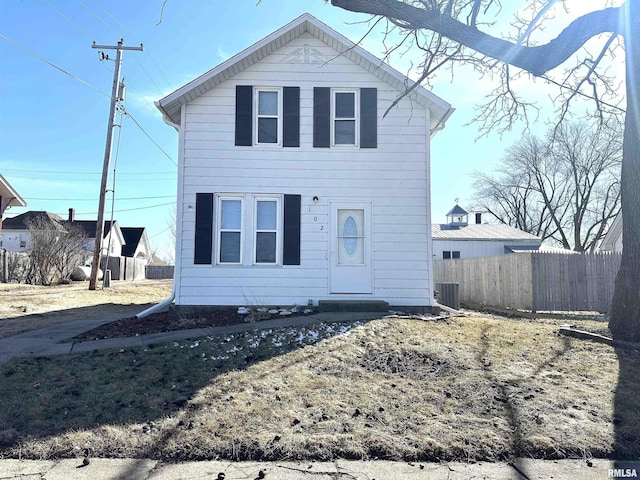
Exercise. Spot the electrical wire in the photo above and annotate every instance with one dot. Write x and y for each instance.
(51, 64)
(131, 33)
(81, 173)
(113, 192)
(84, 32)
(124, 210)
(93, 199)
(149, 137)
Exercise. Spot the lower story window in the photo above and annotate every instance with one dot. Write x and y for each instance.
(449, 254)
(248, 225)
(266, 230)
(230, 230)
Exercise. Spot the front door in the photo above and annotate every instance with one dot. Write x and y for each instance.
(351, 259)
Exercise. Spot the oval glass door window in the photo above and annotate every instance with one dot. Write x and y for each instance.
(350, 236)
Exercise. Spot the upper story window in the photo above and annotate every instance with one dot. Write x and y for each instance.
(344, 117)
(268, 116)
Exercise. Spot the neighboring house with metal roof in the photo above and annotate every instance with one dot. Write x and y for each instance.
(16, 237)
(299, 178)
(613, 239)
(459, 239)
(8, 198)
(15, 232)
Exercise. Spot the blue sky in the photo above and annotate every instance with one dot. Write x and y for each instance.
(53, 124)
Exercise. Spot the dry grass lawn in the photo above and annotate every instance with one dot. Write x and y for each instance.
(475, 388)
(29, 307)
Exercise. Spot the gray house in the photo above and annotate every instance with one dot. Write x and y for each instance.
(460, 239)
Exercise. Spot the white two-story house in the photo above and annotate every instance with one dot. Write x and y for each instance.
(297, 182)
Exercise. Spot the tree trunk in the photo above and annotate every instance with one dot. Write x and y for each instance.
(625, 309)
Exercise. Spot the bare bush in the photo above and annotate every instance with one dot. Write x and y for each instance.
(56, 249)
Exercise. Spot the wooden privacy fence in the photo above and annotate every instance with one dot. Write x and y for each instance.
(535, 281)
(159, 272)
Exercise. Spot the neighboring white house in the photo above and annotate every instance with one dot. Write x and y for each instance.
(15, 231)
(16, 237)
(136, 252)
(459, 239)
(136, 243)
(613, 239)
(293, 185)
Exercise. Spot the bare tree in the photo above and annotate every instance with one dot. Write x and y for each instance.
(511, 194)
(71, 250)
(451, 31)
(55, 250)
(565, 188)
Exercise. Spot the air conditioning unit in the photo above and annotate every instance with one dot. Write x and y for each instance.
(448, 294)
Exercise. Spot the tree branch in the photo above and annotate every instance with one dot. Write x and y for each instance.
(537, 59)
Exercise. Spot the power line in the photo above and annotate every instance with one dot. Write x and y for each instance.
(25, 49)
(125, 210)
(93, 199)
(68, 20)
(118, 33)
(129, 32)
(161, 232)
(82, 173)
(149, 137)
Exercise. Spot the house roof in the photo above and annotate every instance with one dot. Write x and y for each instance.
(89, 227)
(614, 232)
(132, 237)
(457, 210)
(157, 261)
(20, 222)
(7, 192)
(482, 231)
(171, 105)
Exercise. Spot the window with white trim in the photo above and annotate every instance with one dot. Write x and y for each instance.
(268, 116)
(344, 117)
(267, 231)
(249, 229)
(229, 231)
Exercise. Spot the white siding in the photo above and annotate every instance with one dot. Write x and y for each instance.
(393, 177)
(476, 248)
(12, 240)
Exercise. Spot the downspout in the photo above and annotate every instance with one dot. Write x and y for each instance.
(178, 259)
(429, 134)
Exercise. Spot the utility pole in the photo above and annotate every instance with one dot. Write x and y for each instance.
(115, 93)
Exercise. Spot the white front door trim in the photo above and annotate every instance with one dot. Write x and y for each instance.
(350, 248)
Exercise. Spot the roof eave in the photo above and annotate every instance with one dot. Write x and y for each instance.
(171, 104)
(16, 200)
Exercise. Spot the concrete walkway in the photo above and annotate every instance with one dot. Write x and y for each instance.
(50, 340)
(145, 469)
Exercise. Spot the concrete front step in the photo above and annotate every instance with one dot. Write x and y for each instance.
(353, 306)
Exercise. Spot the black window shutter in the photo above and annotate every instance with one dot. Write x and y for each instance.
(368, 118)
(204, 228)
(244, 117)
(321, 117)
(291, 126)
(291, 241)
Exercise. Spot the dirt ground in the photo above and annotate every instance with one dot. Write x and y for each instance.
(29, 307)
